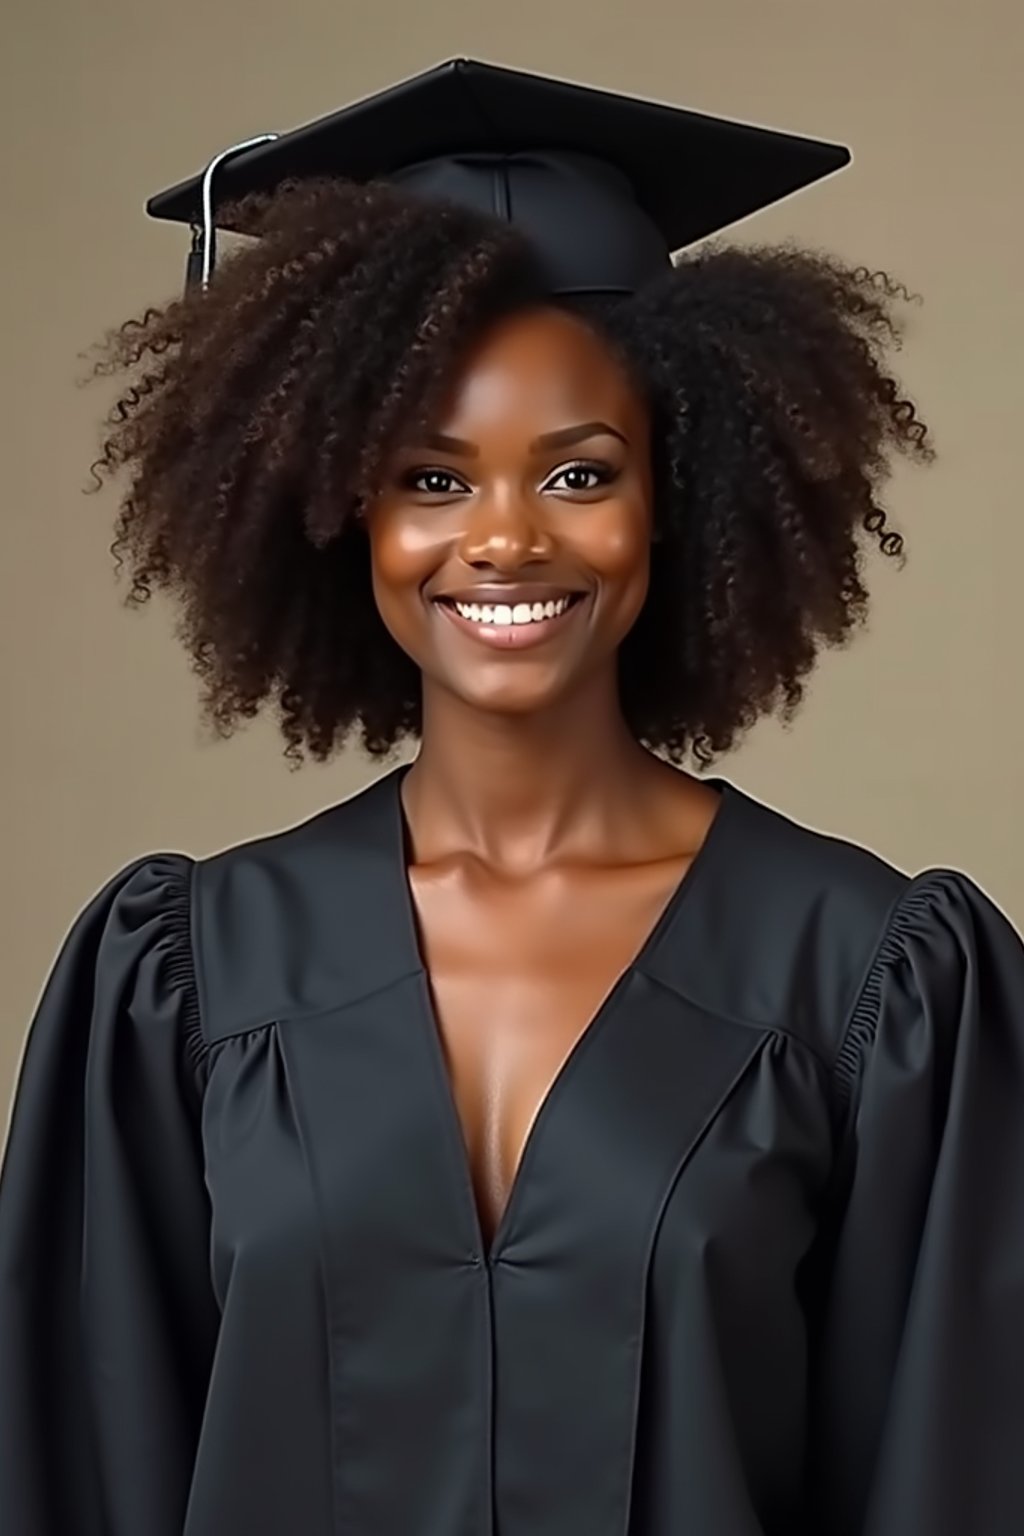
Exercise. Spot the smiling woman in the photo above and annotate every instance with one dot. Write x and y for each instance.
(544, 1140)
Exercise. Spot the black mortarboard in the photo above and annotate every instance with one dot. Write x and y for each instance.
(606, 186)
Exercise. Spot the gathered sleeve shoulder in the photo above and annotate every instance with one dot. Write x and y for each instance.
(108, 1319)
(918, 1422)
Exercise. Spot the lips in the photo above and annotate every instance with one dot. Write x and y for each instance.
(513, 637)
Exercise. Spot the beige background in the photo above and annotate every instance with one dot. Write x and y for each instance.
(910, 742)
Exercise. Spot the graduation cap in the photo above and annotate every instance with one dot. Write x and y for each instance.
(606, 186)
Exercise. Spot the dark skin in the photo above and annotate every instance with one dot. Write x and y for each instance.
(544, 840)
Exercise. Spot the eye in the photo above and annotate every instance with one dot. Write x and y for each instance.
(411, 481)
(603, 473)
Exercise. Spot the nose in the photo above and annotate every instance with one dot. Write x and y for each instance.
(505, 532)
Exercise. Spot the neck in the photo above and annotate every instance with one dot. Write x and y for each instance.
(519, 791)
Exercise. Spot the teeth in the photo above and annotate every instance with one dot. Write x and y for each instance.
(521, 613)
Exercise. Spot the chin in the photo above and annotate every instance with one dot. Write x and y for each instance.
(509, 700)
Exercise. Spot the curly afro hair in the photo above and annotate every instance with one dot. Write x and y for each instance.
(256, 419)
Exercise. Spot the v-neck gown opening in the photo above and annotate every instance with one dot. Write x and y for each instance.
(484, 1251)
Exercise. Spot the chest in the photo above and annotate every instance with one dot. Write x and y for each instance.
(517, 975)
(661, 1205)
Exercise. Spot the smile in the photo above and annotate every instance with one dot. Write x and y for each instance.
(511, 627)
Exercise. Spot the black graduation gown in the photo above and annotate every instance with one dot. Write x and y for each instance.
(761, 1272)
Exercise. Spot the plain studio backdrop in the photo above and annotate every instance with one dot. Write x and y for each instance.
(910, 741)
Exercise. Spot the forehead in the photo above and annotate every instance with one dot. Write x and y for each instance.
(536, 366)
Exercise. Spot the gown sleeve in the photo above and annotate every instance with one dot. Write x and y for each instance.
(918, 1422)
(107, 1314)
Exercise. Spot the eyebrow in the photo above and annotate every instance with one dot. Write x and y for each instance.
(560, 439)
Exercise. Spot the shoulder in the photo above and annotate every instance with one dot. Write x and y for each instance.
(146, 899)
(783, 922)
(948, 968)
(804, 931)
(174, 949)
(298, 866)
(297, 920)
(140, 919)
(123, 980)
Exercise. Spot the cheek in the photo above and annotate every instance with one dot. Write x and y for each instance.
(615, 541)
(399, 564)
(405, 553)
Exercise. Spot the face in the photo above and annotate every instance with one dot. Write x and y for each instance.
(510, 546)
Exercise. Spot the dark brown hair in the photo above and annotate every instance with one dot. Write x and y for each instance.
(255, 420)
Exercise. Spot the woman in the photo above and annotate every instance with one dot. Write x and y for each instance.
(546, 1139)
